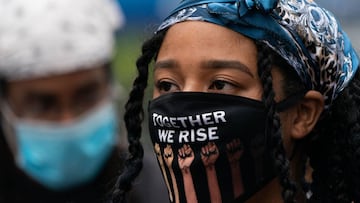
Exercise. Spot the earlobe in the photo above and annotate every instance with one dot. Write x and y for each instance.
(307, 113)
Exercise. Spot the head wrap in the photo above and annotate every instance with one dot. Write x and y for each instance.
(47, 37)
(307, 36)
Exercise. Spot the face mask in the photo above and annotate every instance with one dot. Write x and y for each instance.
(62, 156)
(210, 147)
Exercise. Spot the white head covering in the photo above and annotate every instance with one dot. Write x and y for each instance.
(41, 38)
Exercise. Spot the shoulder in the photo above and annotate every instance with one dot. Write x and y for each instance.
(149, 185)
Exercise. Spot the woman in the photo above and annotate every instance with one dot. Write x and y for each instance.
(253, 101)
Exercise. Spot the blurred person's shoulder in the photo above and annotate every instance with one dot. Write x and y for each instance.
(149, 186)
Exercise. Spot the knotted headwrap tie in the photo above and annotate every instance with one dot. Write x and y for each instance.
(307, 36)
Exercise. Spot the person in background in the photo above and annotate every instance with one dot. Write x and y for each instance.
(254, 100)
(59, 135)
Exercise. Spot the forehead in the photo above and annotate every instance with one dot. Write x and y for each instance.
(56, 83)
(202, 41)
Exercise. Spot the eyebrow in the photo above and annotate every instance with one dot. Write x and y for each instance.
(217, 64)
(87, 87)
(43, 96)
(166, 64)
(214, 64)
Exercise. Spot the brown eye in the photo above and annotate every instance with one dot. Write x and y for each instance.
(218, 85)
(40, 107)
(224, 87)
(166, 86)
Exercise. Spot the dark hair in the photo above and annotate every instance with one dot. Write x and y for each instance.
(134, 115)
(333, 146)
(334, 149)
(266, 60)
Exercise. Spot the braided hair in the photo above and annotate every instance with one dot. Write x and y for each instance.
(333, 152)
(134, 115)
(332, 147)
(266, 59)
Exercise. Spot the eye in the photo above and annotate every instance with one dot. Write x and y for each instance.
(40, 107)
(165, 86)
(217, 85)
(222, 85)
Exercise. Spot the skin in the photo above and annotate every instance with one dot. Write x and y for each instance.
(191, 59)
(185, 158)
(209, 160)
(161, 163)
(234, 154)
(59, 98)
(169, 158)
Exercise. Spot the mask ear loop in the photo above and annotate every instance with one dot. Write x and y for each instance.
(289, 101)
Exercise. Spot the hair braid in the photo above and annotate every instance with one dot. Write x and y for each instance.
(134, 115)
(354, 90)
(327, 159)
(273, 124)
(340, 144)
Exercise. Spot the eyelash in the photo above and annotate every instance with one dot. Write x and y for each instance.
(223, 83)
(216, 83)
(164, 85)
(167, 86)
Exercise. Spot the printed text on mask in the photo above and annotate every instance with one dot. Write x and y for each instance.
(199, 127)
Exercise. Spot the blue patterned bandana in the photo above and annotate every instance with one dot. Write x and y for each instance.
(307, 36)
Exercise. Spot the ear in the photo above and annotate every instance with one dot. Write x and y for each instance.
(306, 114)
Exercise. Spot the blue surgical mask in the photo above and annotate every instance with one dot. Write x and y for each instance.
(62, 156)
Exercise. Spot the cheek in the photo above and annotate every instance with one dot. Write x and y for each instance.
(15, 97)
(156, 93)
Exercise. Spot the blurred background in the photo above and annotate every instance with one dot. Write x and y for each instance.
(144, 16)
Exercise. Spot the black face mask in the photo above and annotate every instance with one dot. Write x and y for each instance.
(210, 147)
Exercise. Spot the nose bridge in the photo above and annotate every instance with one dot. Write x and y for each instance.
(66, 110)
(66, 115)
(195, 84)
(194, 77)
